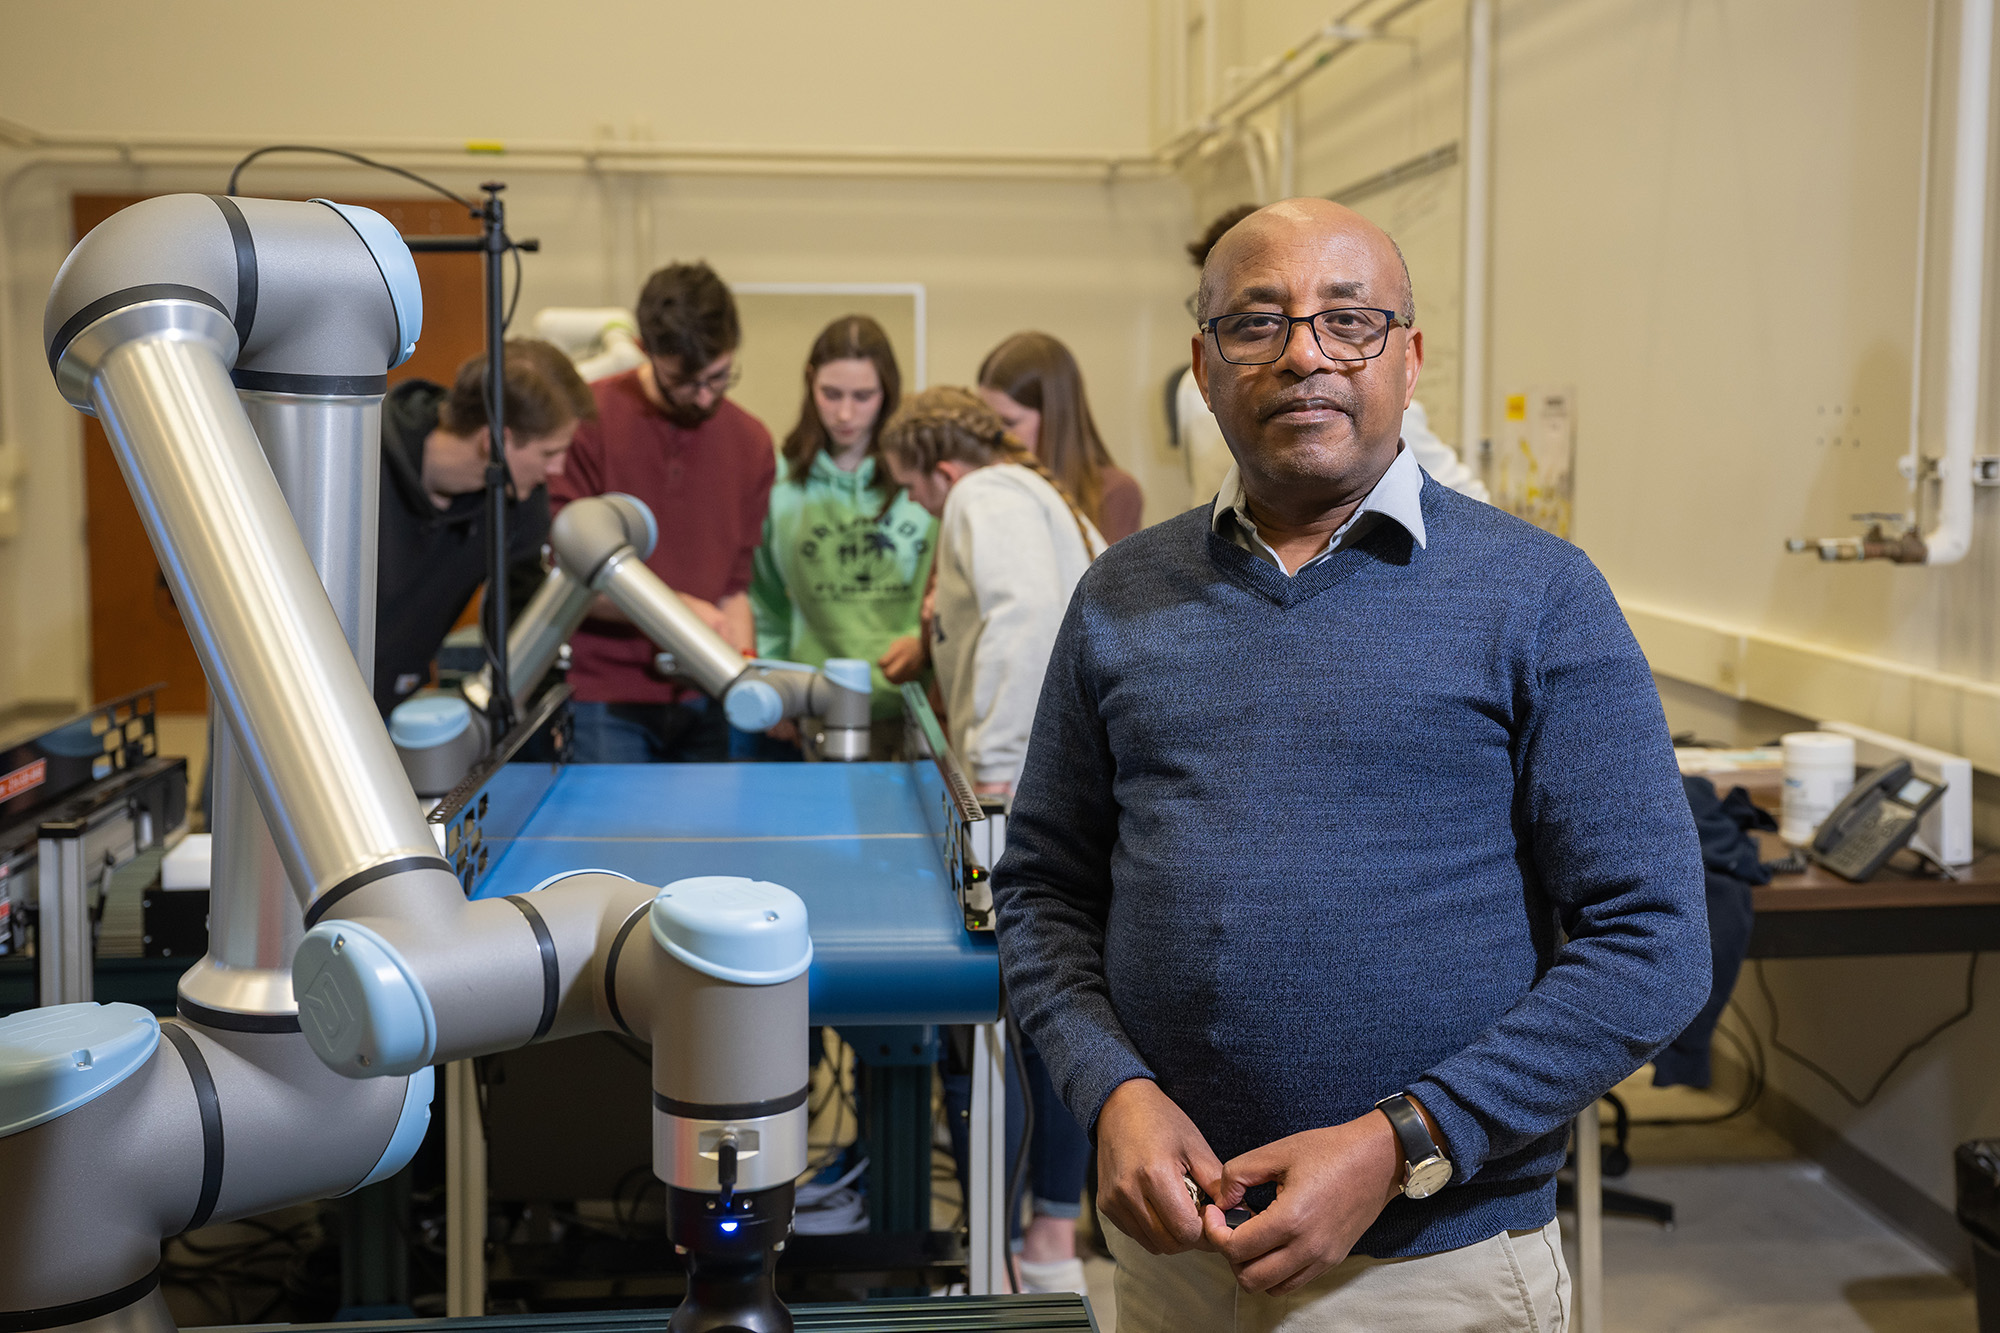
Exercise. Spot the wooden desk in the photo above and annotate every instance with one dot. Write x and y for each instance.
(1817, 914)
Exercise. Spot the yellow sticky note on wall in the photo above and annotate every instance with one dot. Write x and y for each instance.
(1517, 407)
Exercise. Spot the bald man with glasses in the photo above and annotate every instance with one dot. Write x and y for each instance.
(1350, 861)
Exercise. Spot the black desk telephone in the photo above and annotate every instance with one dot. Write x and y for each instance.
(1874, 821)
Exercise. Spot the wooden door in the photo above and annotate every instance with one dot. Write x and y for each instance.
(136, 634)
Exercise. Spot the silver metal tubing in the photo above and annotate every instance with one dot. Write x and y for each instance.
(326, 454)
(63, 937)
(602, 541)
(545, 624)
(661, 615)
(332, 790)
(254, 923)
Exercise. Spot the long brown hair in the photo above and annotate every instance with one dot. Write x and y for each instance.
(1038, 372)
(951, 423)
(849, 338)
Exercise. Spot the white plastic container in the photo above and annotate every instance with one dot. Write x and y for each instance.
(1819, 770)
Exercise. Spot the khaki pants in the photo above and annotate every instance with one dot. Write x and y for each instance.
(1515, 1282)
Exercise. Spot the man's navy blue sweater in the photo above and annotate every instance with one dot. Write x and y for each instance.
(1408, 821)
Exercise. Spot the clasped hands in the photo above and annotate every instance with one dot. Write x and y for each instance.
(1332, 1184)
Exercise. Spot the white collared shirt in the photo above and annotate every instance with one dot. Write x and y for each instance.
(1395, 496)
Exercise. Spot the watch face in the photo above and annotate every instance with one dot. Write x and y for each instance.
(1427, 1178)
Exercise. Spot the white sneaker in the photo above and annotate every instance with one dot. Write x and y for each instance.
(1054, 1275)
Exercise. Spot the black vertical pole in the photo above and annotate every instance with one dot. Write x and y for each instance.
(500, 703)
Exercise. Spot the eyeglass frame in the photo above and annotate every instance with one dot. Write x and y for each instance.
(688, 390)
(1395, 318)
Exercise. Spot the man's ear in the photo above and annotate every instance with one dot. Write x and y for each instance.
(1413, 365)
(1201, 369)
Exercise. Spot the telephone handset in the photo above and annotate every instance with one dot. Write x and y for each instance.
(1874, 821)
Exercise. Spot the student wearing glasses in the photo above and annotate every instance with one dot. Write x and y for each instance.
(667, 433)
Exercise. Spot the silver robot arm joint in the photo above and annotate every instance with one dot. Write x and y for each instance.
(591, 539)
(218, 340)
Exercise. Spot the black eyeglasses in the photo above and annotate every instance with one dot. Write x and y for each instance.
(1345, 333)
(721, 382)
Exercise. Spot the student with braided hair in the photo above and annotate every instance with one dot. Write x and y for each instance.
(1011, 546)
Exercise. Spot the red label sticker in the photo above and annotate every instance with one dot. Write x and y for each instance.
(23, 779)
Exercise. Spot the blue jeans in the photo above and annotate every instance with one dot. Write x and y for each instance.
(693, 732)
(1060, 1151)
(1059, 1155)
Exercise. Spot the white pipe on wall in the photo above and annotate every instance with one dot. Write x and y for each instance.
(168, 150)
(1478, 158)
(1913, 462)
(1947, 542)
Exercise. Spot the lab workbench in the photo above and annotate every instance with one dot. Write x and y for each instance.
(877, 853)
(859, 843)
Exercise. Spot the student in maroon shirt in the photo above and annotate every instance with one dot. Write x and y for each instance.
(668, 434)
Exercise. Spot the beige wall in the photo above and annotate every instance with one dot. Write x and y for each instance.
(1705, 219)
(1096, 264)
(982, 75)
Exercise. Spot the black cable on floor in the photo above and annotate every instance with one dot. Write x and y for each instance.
(1751, 1047)
(1971, 979)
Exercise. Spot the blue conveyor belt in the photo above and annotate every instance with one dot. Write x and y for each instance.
(857, 842)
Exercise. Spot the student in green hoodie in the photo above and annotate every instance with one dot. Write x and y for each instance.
(846, 553)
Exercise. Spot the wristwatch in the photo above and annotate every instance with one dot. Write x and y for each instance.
(1426, 1170)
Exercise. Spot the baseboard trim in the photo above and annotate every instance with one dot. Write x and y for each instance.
(1911, 1211)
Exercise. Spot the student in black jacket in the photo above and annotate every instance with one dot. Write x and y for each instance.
(433, 527)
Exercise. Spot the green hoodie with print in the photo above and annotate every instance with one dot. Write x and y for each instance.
(836, 576)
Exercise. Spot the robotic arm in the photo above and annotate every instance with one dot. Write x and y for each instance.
(601, 544)
(117, 1130)
(592, 541)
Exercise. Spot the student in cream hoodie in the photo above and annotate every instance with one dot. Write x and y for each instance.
(1011, 547)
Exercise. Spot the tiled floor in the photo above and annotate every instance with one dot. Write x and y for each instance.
(1765, 1243)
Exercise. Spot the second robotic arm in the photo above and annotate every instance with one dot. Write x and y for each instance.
(593, 545)
(601, 544)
